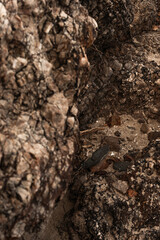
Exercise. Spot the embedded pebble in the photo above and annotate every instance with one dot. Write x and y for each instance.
(144, 128)
(116, 65)
(121, 166)
(122, 186)
(97, 156)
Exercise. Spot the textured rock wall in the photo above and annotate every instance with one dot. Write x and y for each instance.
(121, 19)
(124, 79)
(42, 61)
(120, 202)
(124, 63)
(44, 72)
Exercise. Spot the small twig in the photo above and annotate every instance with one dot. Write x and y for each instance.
(92, 130)
(86, 146)
(97, 50)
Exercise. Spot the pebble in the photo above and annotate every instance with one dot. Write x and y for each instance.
(120, 185)
(121, 166)
(158, 82)
(74, 110)
(97, 156)
(24, 194)
(71, 122)
(117, 134)
(108, 72)
(128, 65)
(122, 100)
(141, 120)
(65, 2)
(116, 65)
(154, 110)
(144, 128)
(18, 229)
(132, 193)
(114, 120)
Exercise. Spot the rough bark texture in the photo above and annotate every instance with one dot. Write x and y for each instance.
(45, 78)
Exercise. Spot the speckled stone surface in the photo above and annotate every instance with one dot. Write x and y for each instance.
(48, 80)
(42, 61)
(116, 204)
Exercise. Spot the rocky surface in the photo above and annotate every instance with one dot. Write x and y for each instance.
(128, 77)
(47, 83)
(120, 20)
(120, 199)
(123, 69)
(42, 58)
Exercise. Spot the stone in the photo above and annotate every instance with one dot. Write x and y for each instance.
(116, 65)
(65, 2)
(114, 120)
(128, 66)
(132, 193)
(74, 110)
(154, 109)
(122, 186)
(96, 157)
(108, 72)
(24, 194)
(157, 82)
(55, 111)
(144, 128)
(71, 122)
(117, 134)
(18, 229)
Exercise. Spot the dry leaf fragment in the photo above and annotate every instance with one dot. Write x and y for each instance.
(155, 27)
(132, 193)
